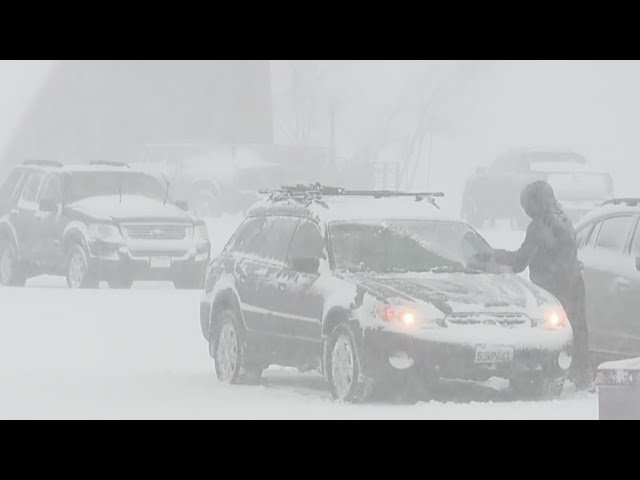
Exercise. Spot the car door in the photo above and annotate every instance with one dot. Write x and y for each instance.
(49, 225)
(606, 259)
(24, 215)
(303, 304)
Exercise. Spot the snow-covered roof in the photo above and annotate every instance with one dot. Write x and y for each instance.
(604, 211)
(627, 364)
(355, 208)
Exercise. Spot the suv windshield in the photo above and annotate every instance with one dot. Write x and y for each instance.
(405, 246)
(79, 185)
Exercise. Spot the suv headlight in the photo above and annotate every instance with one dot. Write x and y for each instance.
(104, 231)
(200, 233)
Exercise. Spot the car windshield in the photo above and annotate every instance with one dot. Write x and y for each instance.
(81, 185)
(580, 186)
(405, 246)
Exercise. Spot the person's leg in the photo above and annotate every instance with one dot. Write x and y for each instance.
(574, 305)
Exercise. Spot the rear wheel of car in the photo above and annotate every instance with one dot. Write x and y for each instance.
(78, 272)
(538, 387)
(11, 272)
(227, 348)
(344, 373)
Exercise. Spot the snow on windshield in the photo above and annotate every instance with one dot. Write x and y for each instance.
(79, 185)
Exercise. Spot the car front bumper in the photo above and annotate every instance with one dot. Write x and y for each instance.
(387, 353)
(149, 261)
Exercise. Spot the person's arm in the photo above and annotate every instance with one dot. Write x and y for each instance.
(519, 260)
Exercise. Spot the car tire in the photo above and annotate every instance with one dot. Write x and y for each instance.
(343, 367)
(189, 283)
(78, 273)
(227, 347)
(120, 283)
(538, 387)
(12, 274)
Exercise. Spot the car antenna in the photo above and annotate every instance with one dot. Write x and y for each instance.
(166, 195)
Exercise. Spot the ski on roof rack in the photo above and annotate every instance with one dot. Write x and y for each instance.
(109, 163)
(631, 202)
(317, 191)
(43, 163)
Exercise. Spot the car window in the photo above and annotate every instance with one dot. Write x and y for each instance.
(30, 192)
(613, 234)
(53, 189)
(307, 241)
(246, 235)
(273, 241)
(10, 184)
(583, 235)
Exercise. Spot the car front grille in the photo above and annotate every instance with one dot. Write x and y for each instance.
(501, 319)
(146, 231)
(158, 253)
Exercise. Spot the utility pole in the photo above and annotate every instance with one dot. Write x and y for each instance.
(332, 135)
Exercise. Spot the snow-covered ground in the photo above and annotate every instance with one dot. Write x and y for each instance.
(140, 354)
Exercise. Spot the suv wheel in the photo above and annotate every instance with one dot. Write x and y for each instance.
(78, 274)
(190, 282)
(120, 282)
(346, 381)
(228, 350)
(11, 273)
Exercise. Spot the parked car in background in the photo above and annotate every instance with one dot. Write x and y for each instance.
(494, 193)
(609, 248)
(96, 222)
(372, 291)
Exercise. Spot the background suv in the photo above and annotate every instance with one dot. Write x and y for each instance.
(96, 222)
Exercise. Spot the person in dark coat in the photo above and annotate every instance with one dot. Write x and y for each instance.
(550, 251)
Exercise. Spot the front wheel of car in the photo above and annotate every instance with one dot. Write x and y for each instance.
(227, 347)
(537, 387)
(344, 372)
(11, 272)
(79, 274)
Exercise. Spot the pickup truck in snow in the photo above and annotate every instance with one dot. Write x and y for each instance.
(494, 193)
(371, 288)
(96, 222)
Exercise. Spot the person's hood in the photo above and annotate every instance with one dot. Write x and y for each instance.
(129, 208)
(538, 199)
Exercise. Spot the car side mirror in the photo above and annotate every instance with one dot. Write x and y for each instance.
(182, 205)
(48, 205)
(308, 265)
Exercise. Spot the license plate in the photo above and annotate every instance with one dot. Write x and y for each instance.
(494, 353)
(160, 262)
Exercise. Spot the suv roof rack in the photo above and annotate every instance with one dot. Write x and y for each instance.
(109, 163)
(43, 163)
(630, 202)
(309, 193)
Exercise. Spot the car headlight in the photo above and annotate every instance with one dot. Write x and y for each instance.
(104, 231)
(555, 319)
(200, 233)
(407, 317)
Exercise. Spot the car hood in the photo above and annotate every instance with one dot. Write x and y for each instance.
(461, 292)
(129, 208)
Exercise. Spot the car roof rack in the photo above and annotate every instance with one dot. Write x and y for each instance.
(109, 163)
(315, 192)
(42, 163)
(630, 202)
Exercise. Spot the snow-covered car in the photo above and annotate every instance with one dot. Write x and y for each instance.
(97, 222)
(609, 248)
(494, 193)
(371, 290)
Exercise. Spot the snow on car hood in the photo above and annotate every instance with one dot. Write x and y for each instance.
(130, 207)
(461, 292)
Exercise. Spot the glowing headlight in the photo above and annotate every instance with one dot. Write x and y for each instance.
(555, 319)
(104, 231)
(404, 316)
(200, 233)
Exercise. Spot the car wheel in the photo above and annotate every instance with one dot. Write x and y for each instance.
(120, 283)
(346, 381)
(189, 283)
(11, 272)
(78, 273)
(538, 387)
(227, 348)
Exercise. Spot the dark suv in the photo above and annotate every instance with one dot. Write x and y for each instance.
(96, 222)
(375, 290)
